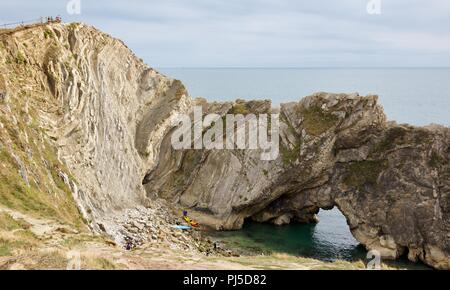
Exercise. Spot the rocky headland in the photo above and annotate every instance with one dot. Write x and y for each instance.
(85, 142)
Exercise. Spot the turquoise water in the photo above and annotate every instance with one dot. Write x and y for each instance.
(418, 96)
(328, 240)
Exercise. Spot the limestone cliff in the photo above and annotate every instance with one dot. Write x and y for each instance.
(100, 111)
(85, 139)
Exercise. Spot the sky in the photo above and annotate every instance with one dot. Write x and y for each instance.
(263, 33)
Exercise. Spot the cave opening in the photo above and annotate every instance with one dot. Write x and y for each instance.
(328, 240)
(333, 239)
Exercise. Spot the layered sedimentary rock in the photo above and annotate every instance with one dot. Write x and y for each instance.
(390, 181)
(70, 89)
(101, 108)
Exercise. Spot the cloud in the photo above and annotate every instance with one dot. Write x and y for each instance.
(174, 33)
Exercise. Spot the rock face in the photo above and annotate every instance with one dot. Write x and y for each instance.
(104, 110)
(70, 89)
(390, 181)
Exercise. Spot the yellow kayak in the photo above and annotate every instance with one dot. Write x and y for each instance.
(191, 222)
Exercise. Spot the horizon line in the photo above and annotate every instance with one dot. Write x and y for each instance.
(300, 67)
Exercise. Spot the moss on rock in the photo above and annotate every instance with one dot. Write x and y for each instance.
(362, 173)
(317, 121)
(436, 160)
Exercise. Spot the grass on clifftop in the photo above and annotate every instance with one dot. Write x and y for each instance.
(239, 108)
(317, 121)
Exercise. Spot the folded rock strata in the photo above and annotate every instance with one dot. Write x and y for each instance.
(108, 116)
(390, 181)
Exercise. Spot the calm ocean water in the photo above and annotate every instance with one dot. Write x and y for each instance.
(415, 96)
(328, 240)
(418, 96)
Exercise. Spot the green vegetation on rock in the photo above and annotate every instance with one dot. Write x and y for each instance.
(392, 136)
(289, 156)
(361, 173)
(20, 59)
(30, 180)
(397, 135)
(436, 160)
(48, 33)
(317, 121)
(239, 108)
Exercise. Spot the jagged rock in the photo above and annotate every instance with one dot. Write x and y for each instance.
(139, 226)
(109, 117)
(282, 219)
(390, 181)
(105, 112)
(109, 102)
